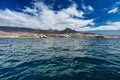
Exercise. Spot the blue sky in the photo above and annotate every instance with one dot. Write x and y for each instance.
(82, 15)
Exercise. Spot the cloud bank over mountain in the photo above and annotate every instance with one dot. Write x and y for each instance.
(41, 15)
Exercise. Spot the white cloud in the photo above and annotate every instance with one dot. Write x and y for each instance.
(12, 18)
(29, 10)
(117, 4)
(90, 8)
(109, 26)
(114, 10)
(44, 18)
(73, 11)
(87, 8)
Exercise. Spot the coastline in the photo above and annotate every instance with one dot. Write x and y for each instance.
(50, 35)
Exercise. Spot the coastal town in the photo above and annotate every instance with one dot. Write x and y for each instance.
(51, 35)
(16, 32)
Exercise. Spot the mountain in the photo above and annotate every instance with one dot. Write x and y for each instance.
(68, 30)
(39, 33)
(16, 29)
(19, 29)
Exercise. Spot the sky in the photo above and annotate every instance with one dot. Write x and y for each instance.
(99, 16)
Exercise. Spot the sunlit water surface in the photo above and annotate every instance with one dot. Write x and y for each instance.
(60, 59)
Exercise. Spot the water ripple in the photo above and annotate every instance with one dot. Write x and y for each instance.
(59, 59)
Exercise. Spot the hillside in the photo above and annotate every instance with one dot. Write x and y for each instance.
(39, 33)
(19, 29)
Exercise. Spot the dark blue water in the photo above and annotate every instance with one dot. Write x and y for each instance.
(60, 59)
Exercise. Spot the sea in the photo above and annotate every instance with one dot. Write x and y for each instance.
(59, 59)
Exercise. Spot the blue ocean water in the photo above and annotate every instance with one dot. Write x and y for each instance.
(59, 59)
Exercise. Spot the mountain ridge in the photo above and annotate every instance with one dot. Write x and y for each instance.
(6, 31)
(31, 30)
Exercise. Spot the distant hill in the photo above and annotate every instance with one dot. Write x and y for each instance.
(16, 29)
(19, 29)
(29, 32)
